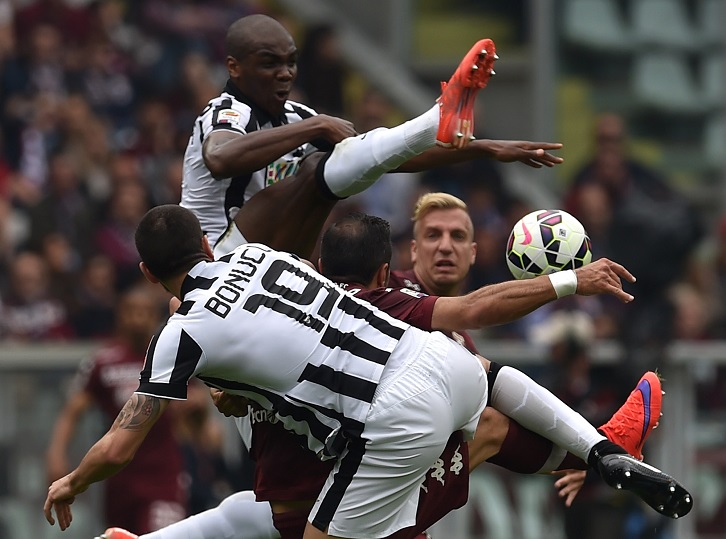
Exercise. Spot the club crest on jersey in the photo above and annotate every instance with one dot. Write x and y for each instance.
(228, 116)
(281, 169)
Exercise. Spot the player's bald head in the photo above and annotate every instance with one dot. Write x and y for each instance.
(249, 33)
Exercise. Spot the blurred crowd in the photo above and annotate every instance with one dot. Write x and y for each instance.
(98, 99)
(97, 102)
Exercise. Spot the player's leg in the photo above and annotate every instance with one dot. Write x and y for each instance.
(535, 408)
(238, 516)
(290, 214)
(506, 443)
(430, 388)
(357, 162)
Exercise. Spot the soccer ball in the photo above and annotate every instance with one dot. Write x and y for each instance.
(546, 241)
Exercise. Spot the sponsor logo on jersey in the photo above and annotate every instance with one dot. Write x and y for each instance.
(262, 416)
(281, 169)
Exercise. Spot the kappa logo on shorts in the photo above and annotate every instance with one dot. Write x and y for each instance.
(438, 470)
(456, 462)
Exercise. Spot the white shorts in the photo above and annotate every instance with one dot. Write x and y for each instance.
(374, 488)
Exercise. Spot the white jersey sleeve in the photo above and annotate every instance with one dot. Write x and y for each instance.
(171, 360)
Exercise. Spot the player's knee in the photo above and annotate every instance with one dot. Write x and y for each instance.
(490, 434)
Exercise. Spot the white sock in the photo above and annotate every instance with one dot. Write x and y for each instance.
(238, 516)
(535, 408)
(357, 162)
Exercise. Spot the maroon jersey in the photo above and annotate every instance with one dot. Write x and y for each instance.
(407, 279)
(287, 472)
(147, 493)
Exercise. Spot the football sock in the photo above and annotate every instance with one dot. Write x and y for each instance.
(238, 516)
(606, 447)
(357, 162)
(535, 408)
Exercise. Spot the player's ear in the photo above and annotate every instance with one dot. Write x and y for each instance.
(473, 252)
(233, 67)
(382, 276)
(149, 276)
(207, 248)
(413, 251)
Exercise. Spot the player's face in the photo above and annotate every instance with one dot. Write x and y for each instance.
(267, 73)
(443, 250)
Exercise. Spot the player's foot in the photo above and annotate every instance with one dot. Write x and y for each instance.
(657, 489)
(631, 425)
(117, 533)
(456, 123)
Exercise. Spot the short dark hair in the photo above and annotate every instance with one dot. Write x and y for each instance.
(355, 247)
(169, 241)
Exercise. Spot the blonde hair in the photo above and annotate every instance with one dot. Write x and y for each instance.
(436, 201)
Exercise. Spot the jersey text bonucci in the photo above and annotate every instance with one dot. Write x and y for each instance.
(261, 324)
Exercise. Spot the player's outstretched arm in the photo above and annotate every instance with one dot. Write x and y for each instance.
(505, 302)
(56, 457)
(228, 154)
(533, 154)
(107, 457)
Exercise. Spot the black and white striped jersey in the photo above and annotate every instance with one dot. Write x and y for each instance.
(262, 324)
(215, 202)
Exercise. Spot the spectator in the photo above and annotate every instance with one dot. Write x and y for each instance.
(322, 71)
(65, 210)
(95, 299)
(75, 22)
(115, 234)
(28, 310)
(106, 84)
(645, 207)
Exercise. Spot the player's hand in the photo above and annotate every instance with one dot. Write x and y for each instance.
(334, 129)
(533, 154)
(230, 405)
(569, 484)
(604, 277)
(60, 497)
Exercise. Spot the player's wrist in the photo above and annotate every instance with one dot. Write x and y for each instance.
(564, 282)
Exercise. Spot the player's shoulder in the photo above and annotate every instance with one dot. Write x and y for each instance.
(299, 108)
(405, 279)
(390, 294)
(226, 102)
